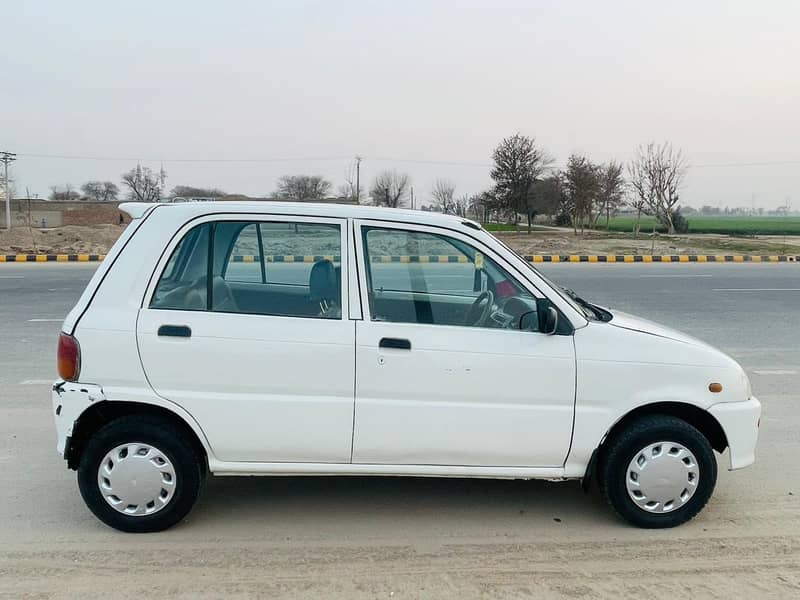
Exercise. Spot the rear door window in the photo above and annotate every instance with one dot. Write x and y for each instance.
(256, 267)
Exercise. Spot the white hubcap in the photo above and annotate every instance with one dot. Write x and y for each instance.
(136, 479)
(662, 477)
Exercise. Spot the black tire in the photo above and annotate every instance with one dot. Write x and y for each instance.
(190, 471)
(619, 451)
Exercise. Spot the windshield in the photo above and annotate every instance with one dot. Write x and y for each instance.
(562, 292)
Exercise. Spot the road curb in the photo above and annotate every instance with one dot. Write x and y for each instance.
(51, 257)
(412, 258)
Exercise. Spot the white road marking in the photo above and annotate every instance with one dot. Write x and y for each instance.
(673, 276)
(12, 276)
(36, 382)
(756, 290)
(44, 320)
(774, 372)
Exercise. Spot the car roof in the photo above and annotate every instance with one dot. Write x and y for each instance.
(312, 209)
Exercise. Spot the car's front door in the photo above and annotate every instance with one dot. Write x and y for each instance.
(256, 343)
(440, 378)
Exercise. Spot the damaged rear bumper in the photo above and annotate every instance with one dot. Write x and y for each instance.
(69, 402)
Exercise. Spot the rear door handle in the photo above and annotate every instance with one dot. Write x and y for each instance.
(175, 331)
(397, 343)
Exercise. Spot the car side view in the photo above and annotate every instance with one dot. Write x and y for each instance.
(299, 339)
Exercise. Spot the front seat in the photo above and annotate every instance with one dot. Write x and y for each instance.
(324, 288)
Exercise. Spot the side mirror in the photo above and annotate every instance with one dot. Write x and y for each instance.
(544, 319)
(548, 316)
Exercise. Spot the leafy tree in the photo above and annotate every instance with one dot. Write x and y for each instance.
(582, 185)
(611, 192)
(100, 191)
(390, 189)
(548, 194)
(303, 188)
(518, 163)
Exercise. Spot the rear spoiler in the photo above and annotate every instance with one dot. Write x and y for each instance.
(136, 210)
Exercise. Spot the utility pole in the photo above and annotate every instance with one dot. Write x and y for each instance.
(358, 179)
(412, 197)
(5, 158)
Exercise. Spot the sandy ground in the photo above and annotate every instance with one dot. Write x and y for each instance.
(69, 239)
(97, 239)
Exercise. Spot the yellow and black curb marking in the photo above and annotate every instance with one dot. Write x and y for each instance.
(51, 257)
(434, 258)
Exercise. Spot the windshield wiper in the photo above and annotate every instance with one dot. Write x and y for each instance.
(599, 313)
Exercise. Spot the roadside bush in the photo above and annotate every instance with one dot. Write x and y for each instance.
(680, 222)
(563, 220)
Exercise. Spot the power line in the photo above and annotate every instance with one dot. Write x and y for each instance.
(178, 160)
(417, 161)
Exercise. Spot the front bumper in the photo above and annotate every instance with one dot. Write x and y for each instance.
(69, 402)
(740, 421)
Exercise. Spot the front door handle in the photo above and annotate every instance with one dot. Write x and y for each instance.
(397, 343)
(175, 331)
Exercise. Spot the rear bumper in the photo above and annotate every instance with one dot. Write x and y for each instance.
(740, 421)
(69, 402)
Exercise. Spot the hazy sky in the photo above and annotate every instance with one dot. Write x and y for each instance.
(425, 87)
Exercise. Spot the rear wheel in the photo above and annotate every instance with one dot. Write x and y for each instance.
(139, 474)
(658, 472)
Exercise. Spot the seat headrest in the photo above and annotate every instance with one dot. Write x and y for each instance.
(322, 281)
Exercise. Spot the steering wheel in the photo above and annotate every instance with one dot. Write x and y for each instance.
(477, 314)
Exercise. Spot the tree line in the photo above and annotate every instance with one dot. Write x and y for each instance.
(526, 184)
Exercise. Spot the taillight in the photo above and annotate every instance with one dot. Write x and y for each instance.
(69, 357)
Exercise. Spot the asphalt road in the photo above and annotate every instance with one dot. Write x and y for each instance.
(417, 538)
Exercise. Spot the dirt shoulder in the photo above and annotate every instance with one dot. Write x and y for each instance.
(69, 239)
(97, 239)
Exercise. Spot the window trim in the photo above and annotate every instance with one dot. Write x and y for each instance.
(365, 275)
(257, 218)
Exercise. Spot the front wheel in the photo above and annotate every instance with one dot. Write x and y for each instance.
(140, 474)
(658, 472)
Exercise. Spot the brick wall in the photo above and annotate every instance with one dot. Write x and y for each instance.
(55, 214)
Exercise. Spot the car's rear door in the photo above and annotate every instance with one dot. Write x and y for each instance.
(259, 357)
(435, 388)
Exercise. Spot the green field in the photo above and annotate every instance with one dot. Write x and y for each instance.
(714, 224)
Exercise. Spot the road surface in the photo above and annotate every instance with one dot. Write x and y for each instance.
(417, 538)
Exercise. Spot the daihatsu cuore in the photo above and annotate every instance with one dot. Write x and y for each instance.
(306, 339)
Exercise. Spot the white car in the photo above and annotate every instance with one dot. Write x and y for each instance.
(300, 339)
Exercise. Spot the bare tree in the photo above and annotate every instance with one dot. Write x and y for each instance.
(518, 163)
(656, 174)
(611, 191)
(64, 193)
(143, 184)
(303, 188)
(100, 191)
(443, 193)
(582, 184)
(390, 189)
(351, 188)
(480, 206)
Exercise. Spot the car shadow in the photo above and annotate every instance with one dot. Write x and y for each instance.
(317, 502)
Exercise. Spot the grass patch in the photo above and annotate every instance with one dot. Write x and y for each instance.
(714, 224)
